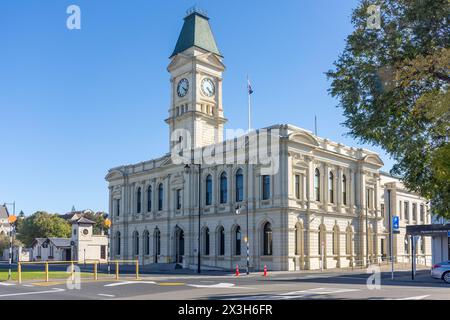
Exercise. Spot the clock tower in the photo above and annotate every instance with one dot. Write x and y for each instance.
(196, 114)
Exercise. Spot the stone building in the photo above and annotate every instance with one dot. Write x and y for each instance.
(309, 202)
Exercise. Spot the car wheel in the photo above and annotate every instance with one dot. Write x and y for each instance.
(446, 277)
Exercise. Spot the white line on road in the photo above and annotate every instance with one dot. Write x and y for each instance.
(106, 295)
(414, 298)
(217, 285)
(29, 293)
(128, 282)
(7, 284)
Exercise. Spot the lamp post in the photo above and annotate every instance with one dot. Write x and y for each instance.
(187, 168)
(107, 223)
(11, 219)
(367, 229)
(238, 211)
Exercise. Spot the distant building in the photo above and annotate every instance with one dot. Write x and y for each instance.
(4, 224)
(83, 245)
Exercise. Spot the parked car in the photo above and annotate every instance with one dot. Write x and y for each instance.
(441, 271)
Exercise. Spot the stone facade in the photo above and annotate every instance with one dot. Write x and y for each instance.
(323, 206)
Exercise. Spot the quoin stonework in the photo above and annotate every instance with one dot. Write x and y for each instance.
(312, 203)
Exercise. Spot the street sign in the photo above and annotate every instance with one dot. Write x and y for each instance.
(395, 224)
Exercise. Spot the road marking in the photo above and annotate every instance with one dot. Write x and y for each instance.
(27, 285)
(296, 294)
(30, 293)
(217, 285)
(7, 284)
(128, 282)
(106, 295)
(414, 298)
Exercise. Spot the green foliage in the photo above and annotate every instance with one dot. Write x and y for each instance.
(4, 243)
(392, 84)
(42, 225)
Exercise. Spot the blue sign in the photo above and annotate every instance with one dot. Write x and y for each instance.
(395, 223)
(448, 234)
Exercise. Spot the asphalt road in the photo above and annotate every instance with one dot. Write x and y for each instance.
(277, 286)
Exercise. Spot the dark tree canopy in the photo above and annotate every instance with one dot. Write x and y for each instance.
(392, 84)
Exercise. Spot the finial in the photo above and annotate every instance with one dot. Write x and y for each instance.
(195, 9)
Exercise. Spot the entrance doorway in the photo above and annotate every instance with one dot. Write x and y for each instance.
(179, 245)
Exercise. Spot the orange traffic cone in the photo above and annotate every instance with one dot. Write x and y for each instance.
(265, 270)
(237, 270)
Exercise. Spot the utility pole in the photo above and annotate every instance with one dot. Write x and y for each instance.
(11, 220)
(391, 236)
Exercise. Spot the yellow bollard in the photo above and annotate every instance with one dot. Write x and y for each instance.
(137, 269)
(46, 272)
(117, 270)
(95, 271)
(19, 272)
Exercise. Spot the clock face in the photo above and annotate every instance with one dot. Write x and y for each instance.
(208, 87)
(85, 232)
(183, 87)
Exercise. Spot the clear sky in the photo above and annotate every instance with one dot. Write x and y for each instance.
(74, 103)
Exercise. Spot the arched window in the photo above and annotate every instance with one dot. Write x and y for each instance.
(136, 243)
(422, 213)
(344, 189)
(118, 243)
(237, 241)
(239, 186)
(157, 242)
(160, 196)
(322, 240)
(206, 241)
(223, 188)
(138, 200)
(149, 199)
(267, 239)
(336, 240)
(146, 238)
(265, 187)
(208, 194)
(349, 241)
(298, 239)
(221, 241)
(331, 187)
(317, 184)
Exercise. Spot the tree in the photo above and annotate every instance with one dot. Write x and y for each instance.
(42, 225)
(392, 83)
(4, 243)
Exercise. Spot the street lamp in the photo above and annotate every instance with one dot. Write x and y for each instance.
(187, 169)
(107, 224)
(238, 211)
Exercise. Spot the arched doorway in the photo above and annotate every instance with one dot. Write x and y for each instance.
(179, 245)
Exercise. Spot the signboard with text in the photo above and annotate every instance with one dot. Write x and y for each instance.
(396, 224)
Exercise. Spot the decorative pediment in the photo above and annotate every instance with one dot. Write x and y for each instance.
(178, 60)
(115, 174)
(211, 59)
(373, 159)
(304, 138)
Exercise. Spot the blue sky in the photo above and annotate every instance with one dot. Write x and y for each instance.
(74, 103)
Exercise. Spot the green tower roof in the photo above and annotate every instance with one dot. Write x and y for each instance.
(196, 32)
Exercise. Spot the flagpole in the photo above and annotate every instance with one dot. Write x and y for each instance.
(249, 105)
